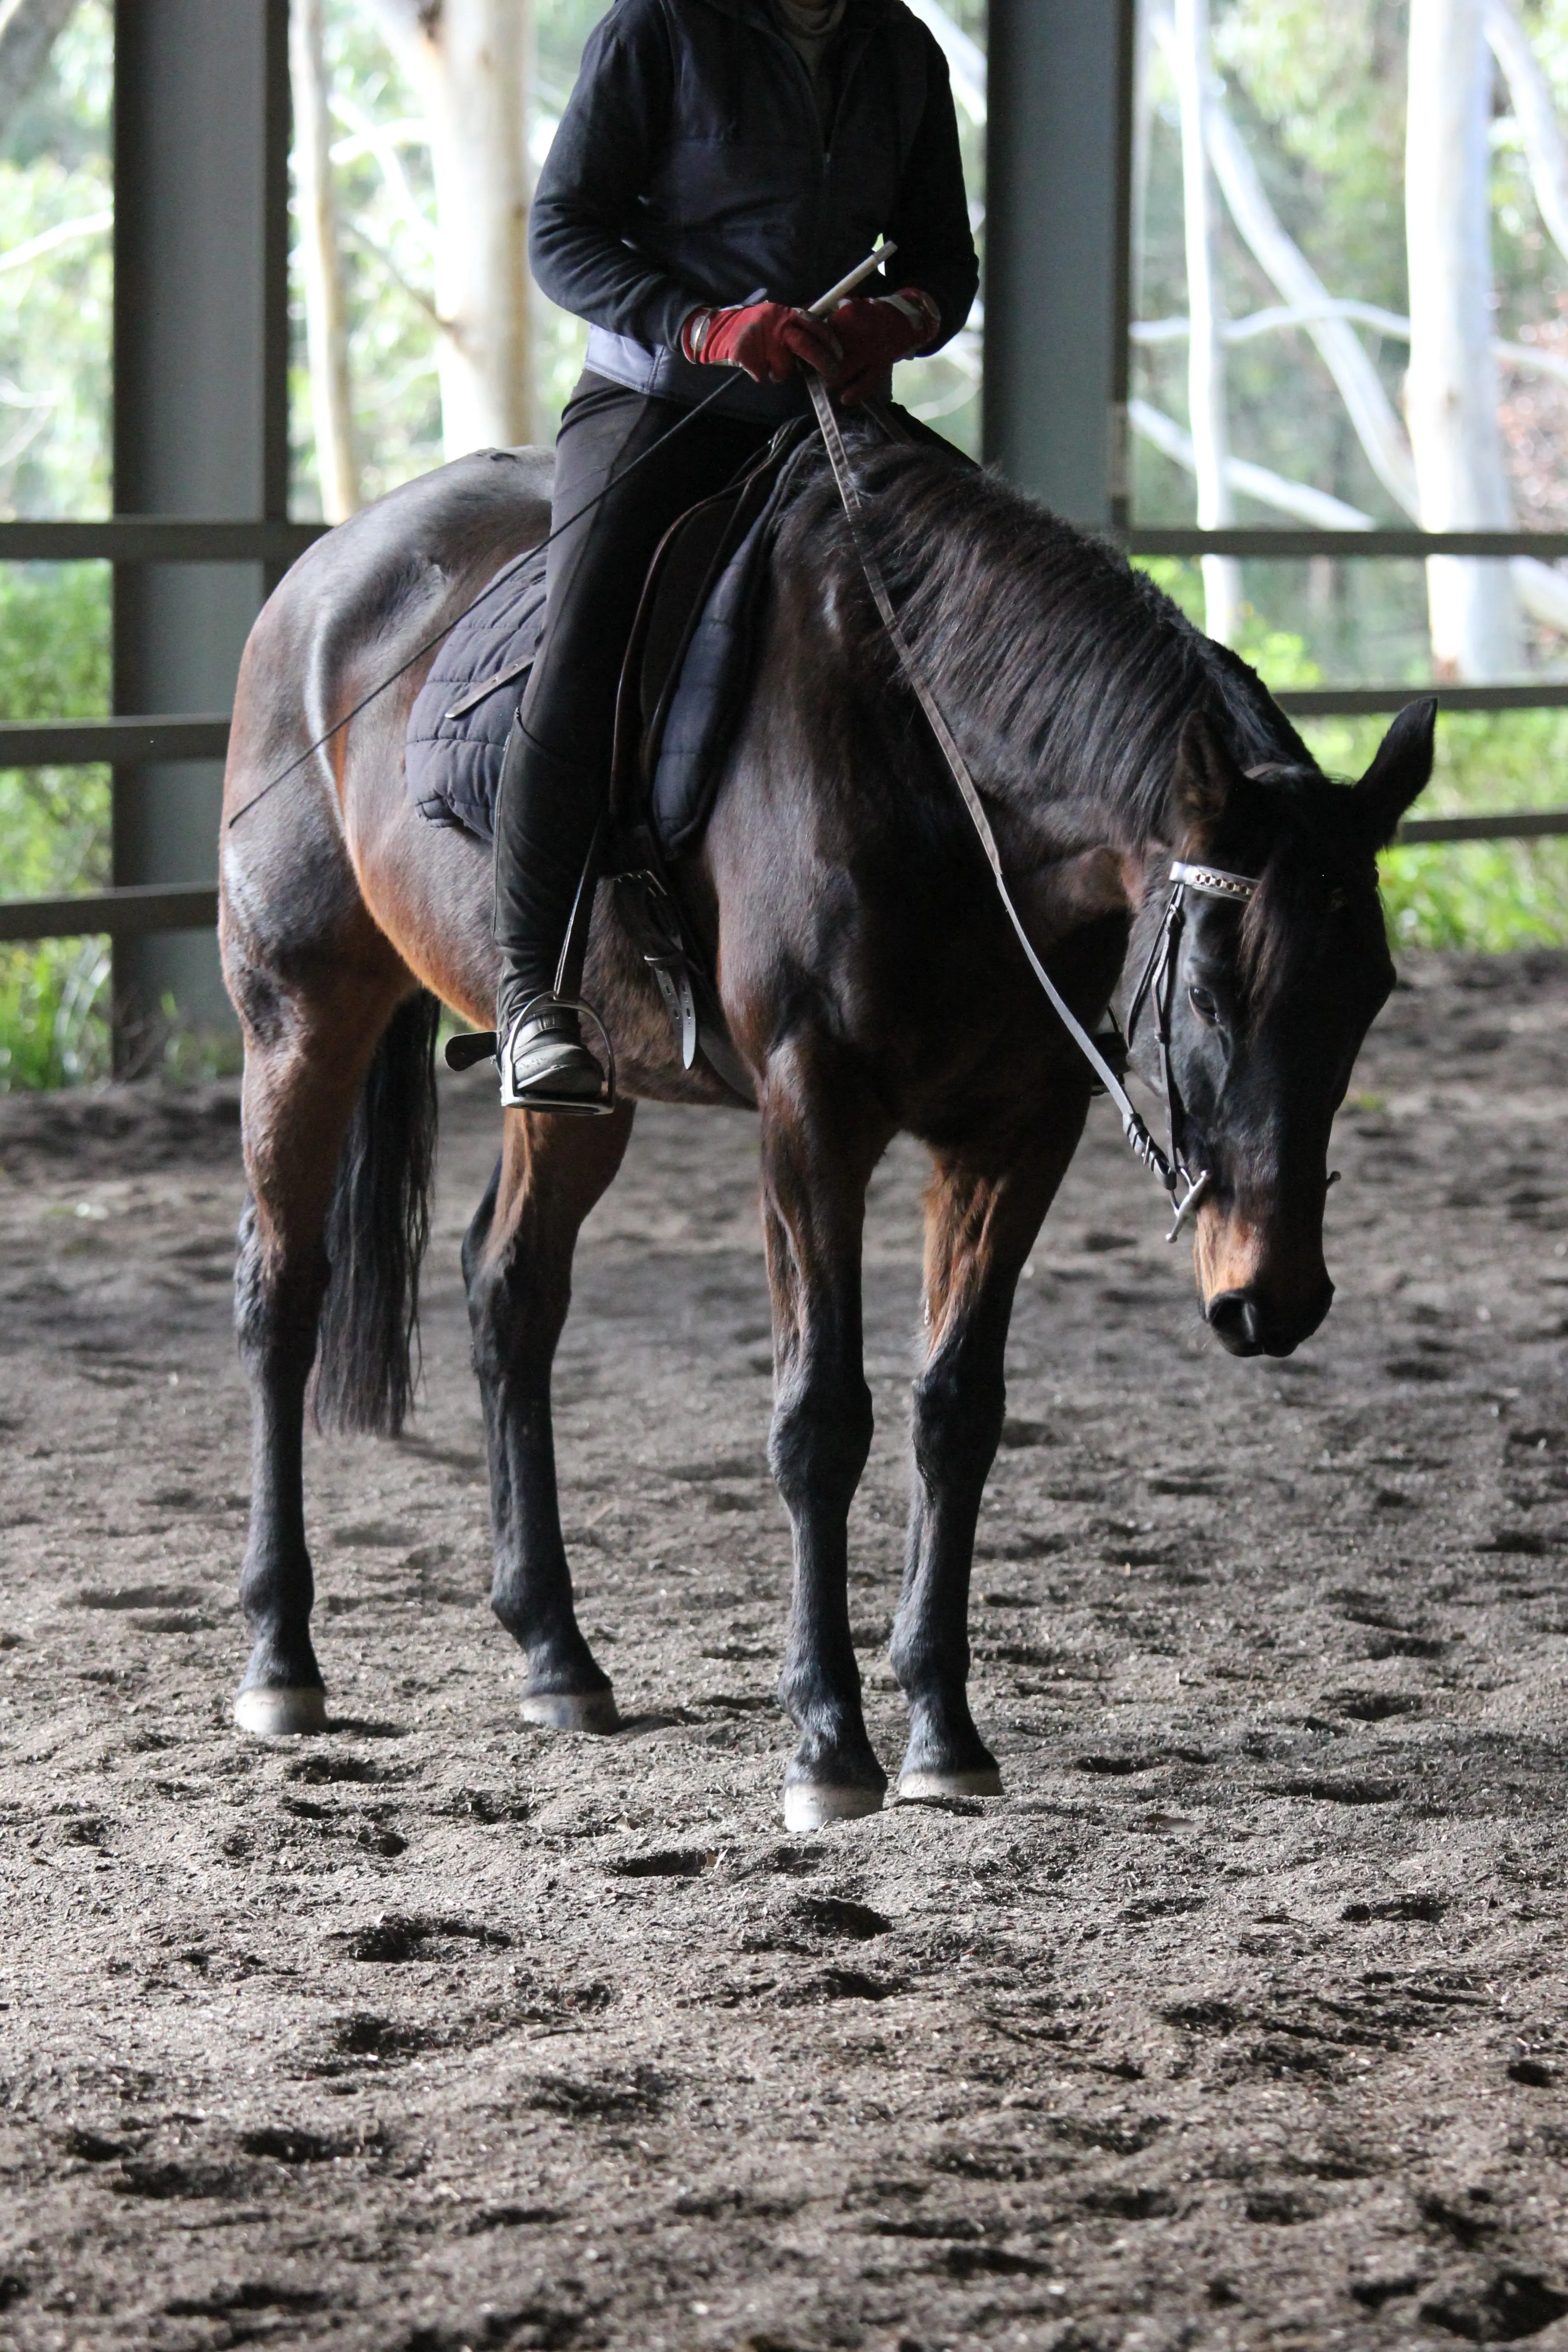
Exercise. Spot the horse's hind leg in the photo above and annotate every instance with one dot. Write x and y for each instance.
(821, 1139)
(305, 1068)
(517, 1263)
(980, 1223)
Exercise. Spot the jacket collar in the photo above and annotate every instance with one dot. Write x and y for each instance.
(860, 13)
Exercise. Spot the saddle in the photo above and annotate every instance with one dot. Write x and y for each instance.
(683, 689)
(684, 677)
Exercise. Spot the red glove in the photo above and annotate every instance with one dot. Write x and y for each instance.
(876, 330)
(769, 339)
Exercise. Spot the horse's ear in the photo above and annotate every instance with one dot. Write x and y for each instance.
(1400, 773)
(1201, 782)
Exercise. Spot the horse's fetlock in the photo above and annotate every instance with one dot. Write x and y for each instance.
(558, 1658)
(944, 1739)
(282, 1657)
(819, 1708)
(275, 1589)
(924, 1668)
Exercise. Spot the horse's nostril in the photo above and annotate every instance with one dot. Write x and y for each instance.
(1233, 1316)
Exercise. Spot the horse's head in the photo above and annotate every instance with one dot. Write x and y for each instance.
(1267, 1006)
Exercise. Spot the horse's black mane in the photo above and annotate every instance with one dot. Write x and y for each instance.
(1074, 669)
(1083, 668)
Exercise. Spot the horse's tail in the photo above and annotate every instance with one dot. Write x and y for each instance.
(367, 1349)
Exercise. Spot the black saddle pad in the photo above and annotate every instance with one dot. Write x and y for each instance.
(457, 731)
(688, 674)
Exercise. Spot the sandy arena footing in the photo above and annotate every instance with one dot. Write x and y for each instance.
(1240, 2020)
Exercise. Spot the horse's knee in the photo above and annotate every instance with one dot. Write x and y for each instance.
(956, 1423)
(820, 1437)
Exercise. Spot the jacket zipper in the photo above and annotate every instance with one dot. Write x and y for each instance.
(853, 63)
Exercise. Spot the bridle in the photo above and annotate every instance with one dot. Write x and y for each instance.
(1157, 988)
(1157, 984)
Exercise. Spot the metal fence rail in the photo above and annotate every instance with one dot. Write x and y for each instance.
(156, 539)
(1284, 546)
(135, 909)
(144, 908)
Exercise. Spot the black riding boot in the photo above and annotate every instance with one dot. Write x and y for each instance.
(546, 812)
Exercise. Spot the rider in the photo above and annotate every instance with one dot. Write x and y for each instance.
(720, 163)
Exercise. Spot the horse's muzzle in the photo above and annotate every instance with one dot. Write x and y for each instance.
(1247, 1324)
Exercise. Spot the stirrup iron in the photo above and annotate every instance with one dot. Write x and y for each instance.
(540, 1099)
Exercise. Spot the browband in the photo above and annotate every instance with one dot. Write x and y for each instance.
(1212, 881)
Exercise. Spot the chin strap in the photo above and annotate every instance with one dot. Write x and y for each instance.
(1184, 1189)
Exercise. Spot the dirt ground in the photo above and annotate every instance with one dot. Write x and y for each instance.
(1240, 2020)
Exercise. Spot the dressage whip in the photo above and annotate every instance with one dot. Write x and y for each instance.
(820, 308)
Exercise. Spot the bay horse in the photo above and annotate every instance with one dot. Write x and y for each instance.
(872, 983)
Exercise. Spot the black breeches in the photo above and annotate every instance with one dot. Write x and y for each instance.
(557, 769)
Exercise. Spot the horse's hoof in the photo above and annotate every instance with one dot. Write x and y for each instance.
(813, 1804)
(570, 1710)
(984, 1781)
(280, 1714)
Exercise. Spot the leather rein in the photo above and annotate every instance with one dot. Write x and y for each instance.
(1156, 986)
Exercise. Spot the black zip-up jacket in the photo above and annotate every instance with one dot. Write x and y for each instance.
(691, 166)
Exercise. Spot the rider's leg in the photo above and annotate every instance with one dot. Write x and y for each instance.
(556, 772)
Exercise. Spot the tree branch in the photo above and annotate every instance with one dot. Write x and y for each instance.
(29, 30)
(1531, 358)
(50, 240)
(376, 141)
(408, 26)
(378, 253)
(1536, 115)
(1371, 411)
(1540, 587)
(1270, 489)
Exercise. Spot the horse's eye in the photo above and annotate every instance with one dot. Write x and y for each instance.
(1203, 1005)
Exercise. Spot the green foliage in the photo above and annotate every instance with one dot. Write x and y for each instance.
(54, 822)
(1279, 655)
(55, 341)
(55, 310)
(1487, 895)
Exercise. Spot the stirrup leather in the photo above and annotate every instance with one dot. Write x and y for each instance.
(545, 1066)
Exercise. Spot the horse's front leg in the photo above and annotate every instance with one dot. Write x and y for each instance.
(980, 1223)
(517, 1265)
(820, 1144)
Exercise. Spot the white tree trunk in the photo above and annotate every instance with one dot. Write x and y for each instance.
(1205, 355)
(326, 321)
(1452, 393)
(1281, 261)
(471, 62)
